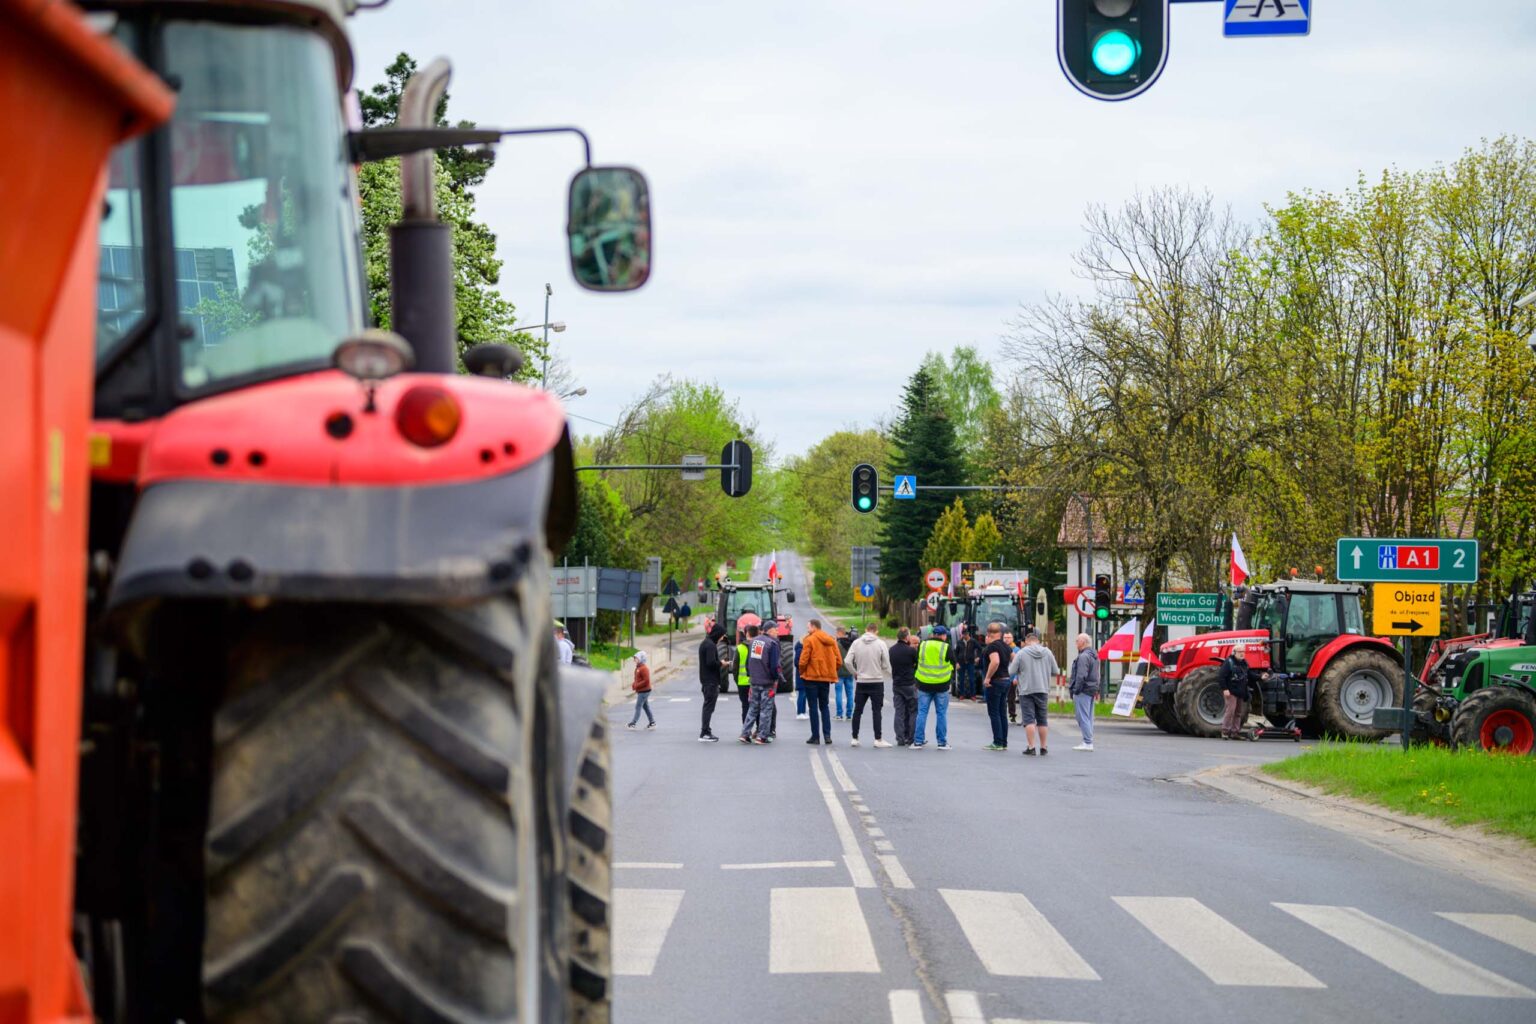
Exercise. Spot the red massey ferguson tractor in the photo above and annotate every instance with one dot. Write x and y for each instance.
(329, 767)
(1318, 672)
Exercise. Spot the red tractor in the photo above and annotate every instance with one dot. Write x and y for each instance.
(1318, 672)
(329, 766)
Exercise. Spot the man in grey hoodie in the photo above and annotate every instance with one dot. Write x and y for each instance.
(1085, 688)
(1035, 668)
(870, 663)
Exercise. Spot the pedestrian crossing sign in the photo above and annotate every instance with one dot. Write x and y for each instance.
(1267, 18)
(906, 487)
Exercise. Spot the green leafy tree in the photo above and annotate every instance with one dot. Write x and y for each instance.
(950, 540)
(484, 315)
(827, 526)
(922, 442)
(986, 540)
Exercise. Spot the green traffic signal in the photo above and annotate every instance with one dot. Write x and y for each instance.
(865, 504)
(866, 485)
(1115, 53)
(1101, 613)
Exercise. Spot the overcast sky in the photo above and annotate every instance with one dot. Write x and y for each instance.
(839, 186)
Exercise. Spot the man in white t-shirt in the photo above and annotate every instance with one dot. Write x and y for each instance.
(566, 648)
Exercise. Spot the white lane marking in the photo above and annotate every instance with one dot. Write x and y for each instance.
(679, 700)
(858, 867)
(641, 920)
(964, 1008)
(773, 865)
(1438, 970)
(1012, 938)
(876, 831)
(1510, 929)
(1216, 947)
(884, 845)
(648, 865)
(819, 931)
(1015, 1020)
(893, 868)
(842, 776)
(906, 1006)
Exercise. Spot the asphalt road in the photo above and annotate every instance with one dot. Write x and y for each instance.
(830, 884)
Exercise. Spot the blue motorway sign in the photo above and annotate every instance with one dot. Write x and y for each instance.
(1267, 18)
(906, 487)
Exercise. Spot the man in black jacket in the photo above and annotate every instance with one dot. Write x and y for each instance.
(904, 685)
(1234, 688)
(709, 681)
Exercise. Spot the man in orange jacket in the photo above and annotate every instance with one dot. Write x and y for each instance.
(820, 657)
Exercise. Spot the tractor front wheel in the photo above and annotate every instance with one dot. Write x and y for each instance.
(374, 798)
(1199, 703)
(589, 879)
(1162, 715)
(1350, 690)
(1498, 718)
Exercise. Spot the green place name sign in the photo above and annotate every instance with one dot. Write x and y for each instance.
(1189, 609)
(1407, 560)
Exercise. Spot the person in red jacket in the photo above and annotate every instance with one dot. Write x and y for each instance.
(642, 686)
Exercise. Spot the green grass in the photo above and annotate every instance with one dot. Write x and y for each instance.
(1463, 787)
(846, 615)
(608, 656)
(1102, 709)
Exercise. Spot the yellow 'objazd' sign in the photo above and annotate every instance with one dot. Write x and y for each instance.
(1405, 609)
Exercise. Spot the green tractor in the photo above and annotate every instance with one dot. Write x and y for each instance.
(1487, 700)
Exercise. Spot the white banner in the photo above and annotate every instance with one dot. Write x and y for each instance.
(1125, 702)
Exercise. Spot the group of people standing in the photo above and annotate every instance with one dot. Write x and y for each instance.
(1014, 677)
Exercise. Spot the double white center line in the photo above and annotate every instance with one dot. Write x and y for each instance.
(885, 849)
(853, 857)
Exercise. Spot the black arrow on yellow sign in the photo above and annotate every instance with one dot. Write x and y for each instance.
(1412, 625)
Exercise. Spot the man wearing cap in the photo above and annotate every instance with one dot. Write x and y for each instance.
(709, 681)
(935, 668)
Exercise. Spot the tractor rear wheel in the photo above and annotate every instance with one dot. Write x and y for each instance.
(1350, 690)
(589, 879)
(1199, 703)
(1497, 718)
(383, 813)
(1162, 715)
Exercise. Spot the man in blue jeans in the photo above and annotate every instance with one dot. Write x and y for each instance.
(935, 669)
(843, 691)
(1084, 688)
(995, 657)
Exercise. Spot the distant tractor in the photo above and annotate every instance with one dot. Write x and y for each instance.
(1317, 671)
(1486, 700)
(744, 604)
(1515, 627)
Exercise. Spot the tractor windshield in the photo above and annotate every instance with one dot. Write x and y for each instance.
(739, 602)
(996, 609)
(262, 215)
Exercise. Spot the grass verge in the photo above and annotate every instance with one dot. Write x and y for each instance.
(1464, 787)
(609, 656)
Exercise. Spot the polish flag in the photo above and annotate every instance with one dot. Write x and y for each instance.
(1147, 654)
(1239, 563)
(1122, 642)
(773, 566)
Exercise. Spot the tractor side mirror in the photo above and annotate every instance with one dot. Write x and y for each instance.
(609, 228)
(789, 596)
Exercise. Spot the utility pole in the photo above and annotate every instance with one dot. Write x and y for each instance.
(544, 370)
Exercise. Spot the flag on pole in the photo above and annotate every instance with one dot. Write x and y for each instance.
(1147, 654)
(773, 567)
(1239, 563)
(1122, 642)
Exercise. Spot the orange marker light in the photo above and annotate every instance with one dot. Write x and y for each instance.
(427, 416)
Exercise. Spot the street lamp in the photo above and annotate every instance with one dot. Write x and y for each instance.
(557, 326)
(574, 393)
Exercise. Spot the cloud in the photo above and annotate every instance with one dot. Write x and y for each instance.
(841, 187)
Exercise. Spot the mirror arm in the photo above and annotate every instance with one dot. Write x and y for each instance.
(383, 143)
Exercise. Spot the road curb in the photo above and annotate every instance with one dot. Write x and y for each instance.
(1466, 850)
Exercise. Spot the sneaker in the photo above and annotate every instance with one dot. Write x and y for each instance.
(945, 746)
(651, 726)
(801, 718)
(1043, 751)
(760, 741)
(630, 726)
(814, 741)
(853, 742)
(743, 739)
(1029, 751)
(881, 743)
(709, 739)
(1083, 746)
(994, 746)
(826, 740)
(918, 746)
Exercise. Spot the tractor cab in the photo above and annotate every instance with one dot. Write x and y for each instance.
(996, 604)
(1301, 619)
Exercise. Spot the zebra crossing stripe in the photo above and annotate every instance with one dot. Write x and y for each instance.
(1012, 938)
(819, 931)
(641, 920)
(1510, 929)
(906, 1006)
(1215, 947)
(964, 1008)
(1438, 970)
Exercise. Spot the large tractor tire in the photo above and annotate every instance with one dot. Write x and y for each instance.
(1162, 715)
(1496, 718)
(1199, 703)
(589, 880)
(384, 817)
(1350, 690)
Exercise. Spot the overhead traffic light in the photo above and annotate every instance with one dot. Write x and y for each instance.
(736, 474)
(1112, 49)
(1102, 598)
(866, 484)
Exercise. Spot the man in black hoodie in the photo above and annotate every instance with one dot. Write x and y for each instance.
(709, 681)
(904, 685)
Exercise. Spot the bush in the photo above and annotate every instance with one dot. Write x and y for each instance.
(893, 622)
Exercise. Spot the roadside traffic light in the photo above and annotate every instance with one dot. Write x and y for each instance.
(866, 487)
(1112, 49)
(736, 477)
(1102, 598)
